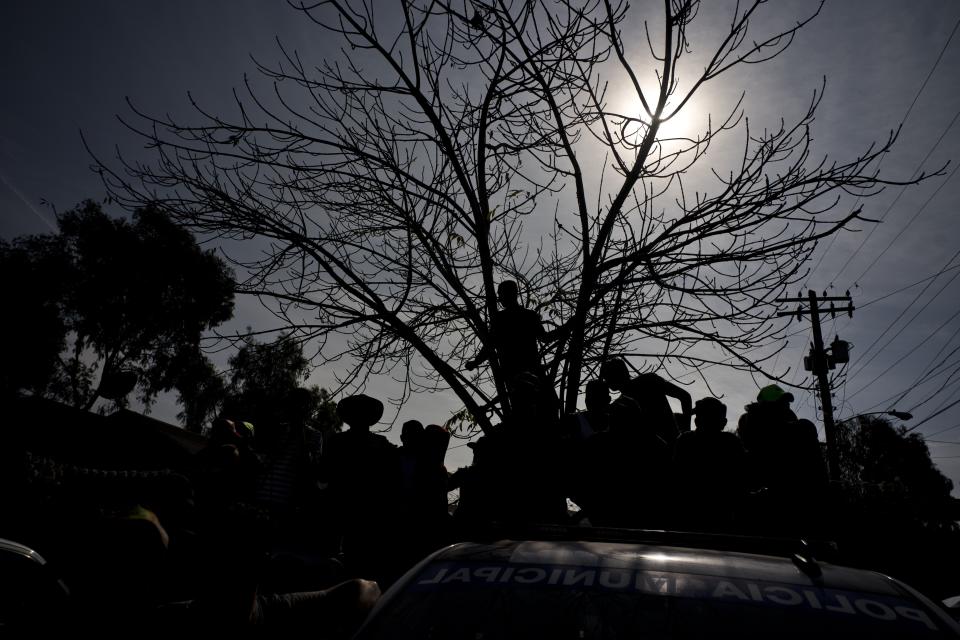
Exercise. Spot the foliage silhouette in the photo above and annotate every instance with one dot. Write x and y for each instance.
(895, 513)
(124, 303)
(888, 469)
(265, 387)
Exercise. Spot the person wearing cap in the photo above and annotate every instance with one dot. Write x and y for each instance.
(760, 423)
(650, 391)
(786, 465)
(708, 462)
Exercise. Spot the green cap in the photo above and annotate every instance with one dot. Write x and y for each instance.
(772, 393)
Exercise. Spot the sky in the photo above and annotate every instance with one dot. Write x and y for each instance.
(68, 67)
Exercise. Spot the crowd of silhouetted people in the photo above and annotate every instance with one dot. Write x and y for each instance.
(281, 524)
(228, 538)
(632, 462)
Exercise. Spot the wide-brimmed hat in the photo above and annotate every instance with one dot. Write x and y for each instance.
(360, 410)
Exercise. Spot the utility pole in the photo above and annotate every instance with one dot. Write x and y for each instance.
(820, 361)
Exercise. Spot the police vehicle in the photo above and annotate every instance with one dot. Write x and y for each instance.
(654, 585)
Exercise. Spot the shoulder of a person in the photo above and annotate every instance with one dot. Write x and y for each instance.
(729, 438)
(649, 378)
(383, 441)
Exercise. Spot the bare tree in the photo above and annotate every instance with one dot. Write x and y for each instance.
(446, 146)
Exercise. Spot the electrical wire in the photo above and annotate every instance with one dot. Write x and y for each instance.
(909, 286)
(896, 363)
(903, 121)
(934, 415)
(903, 313)
(915, 216)
(936, 433)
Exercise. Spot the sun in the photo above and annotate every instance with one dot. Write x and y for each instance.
(689, 122)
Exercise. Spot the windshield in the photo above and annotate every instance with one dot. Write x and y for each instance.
(476, 602)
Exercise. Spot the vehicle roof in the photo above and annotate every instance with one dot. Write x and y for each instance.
(20, 551)
(643, 557)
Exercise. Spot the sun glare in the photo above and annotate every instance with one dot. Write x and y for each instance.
(689, 122)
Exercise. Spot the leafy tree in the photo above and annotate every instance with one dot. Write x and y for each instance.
(887, 468)
(266, 387)
(34, 329)
(129, 301)
(450, 146)
(895, 513)
(202, 391)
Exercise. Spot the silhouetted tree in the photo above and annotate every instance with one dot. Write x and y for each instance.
(202, 391)
(33, 327)
(885, 468)
(265, 382)
(390, 182)
(895, 513)
(122, 303)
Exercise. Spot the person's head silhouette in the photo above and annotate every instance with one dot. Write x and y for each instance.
(711, 415)
(360, 411)
(508, 294)
(597, 396)
(411, 433)
(615, 373)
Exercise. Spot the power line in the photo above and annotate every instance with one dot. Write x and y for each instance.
(892, 402)
(915, 216)
(910, 286)
(928, 372)
(903, 313)
(920, 344)
(934, 415)
(953, 394)
(903, 121)
(936, 433)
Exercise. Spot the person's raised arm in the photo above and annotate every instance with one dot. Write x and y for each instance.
(679, 393)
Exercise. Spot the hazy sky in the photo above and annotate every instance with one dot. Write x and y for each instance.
(68, 66)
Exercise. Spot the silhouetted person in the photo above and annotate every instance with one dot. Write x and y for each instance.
(514, 477)
(363, 471)
(431, 486)
(787, 469)
(650, 391)
(425, 519)
(626, 471)
(530, 456)
(583, 424)
(515, 333)
(227, 468)
(577, 429)
(411, 452)
(709, 466)
(771, 408)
